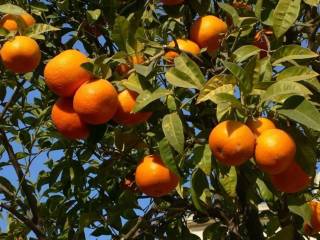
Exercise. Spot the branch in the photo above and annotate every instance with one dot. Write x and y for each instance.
(35, 228)
(20, 174)
(133, 230)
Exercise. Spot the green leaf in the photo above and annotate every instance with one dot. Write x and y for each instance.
(217, 84)
(264, 191)
(93, 15)
(297, 73)
(229, 182)
(285, 233)
(300, 207)
(11, 9)
(200, 6)
(246, 83)
(38, 29)
(202, 156)
(313, 3)
(302, 111)
(235, 69)
(133, 83)
(199, 183)
(284, 16)
(226, 98)
(147, 97)
(244, 52)
(173, 130)
(291, 52)
(231, 11)
(281, 90)
(262, 71)
(120, 32)
(180, 79)
(167, 156)
(144, 70)
(258, 9)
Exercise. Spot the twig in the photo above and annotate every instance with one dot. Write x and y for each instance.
(133, 230)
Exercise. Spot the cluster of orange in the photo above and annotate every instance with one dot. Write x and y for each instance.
(274, 150)
(20, 54)
(84, 100)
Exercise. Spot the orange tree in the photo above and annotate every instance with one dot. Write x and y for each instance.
(175, 111)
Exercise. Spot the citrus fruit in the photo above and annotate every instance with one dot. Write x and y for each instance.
(314, 226)
(207, 31)
(124, 115)
(63, 73)
(154, 178)
(275, 151)
(137, 58)
(21, 54)
(67, 121)
(259, 125)
(184, 45)
(9, 21)
(172, 2)
(96, 101)
(123, 69)
(261, 41)
(291, 180)
(232, 142)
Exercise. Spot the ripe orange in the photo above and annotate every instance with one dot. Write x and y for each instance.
(291, 180)
(124, 115)
(259, 125)
(275, 151)
(314, 226)
(21, 54)
(9, 22)
(261, 41)
(63, 73)
(96, 101)
(154, 178)
(172, 2)
(67, 121)
(184, 45)
(137, 58)
(123, 69)
(207, 31)
(232, 143)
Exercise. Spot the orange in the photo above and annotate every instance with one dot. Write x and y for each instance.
(21, 54)
(275, 151)
(154, 178)
(9, 22)
(123, 69)
(172, 2)
(124, 115)
(232, 142)
(291, 180)
(63, 73)
(314, 226)
(137, 58)
(259, 125)
(96, 101)
(261, 41)
(67, 121)
(184, 45)
(207, 31)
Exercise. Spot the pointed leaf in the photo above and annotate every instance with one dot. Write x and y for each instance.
(291, 52)
(202, 156)
(9, 8)
(244, 52)
(147, 97)
(297, 73)
(167, 156)
(199, 183)
(229, 182)
(180, 79)
(173, 130)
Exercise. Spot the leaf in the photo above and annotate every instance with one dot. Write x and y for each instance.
(180, 79)
(258, 9)
(144, 70)
(244, 52)
(285, 233)
(262, 71)
(296, 73)
(199, 183)
(300, 207)
(284, 16)
(282, 90)
(173, 130)
(226, 98)
(229, 182)
(235, 69)
(217, 84)
(246, 83)
(93, 15)
(202, 156)
(11, 9)
(38, 29)
(231, 11)
(313, 3)
(147, 97)
(214, 231)
(302, 111)
(264, 191)
(120, 32)
(167, 156)
(200, 6)
(133, 83)
(186, 65)
(291, 52)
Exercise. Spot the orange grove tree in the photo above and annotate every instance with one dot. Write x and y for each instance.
(128, 119)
